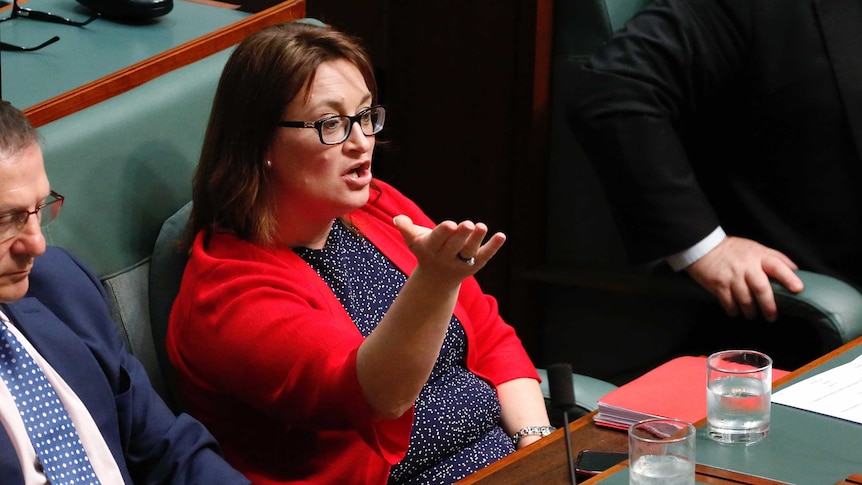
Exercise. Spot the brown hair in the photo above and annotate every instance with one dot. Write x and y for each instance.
(16, 132)
(232, 190)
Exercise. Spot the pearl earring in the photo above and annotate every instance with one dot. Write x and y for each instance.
(268, 164)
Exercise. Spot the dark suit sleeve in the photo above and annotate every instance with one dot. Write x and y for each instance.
(631, 104)
(157, 446)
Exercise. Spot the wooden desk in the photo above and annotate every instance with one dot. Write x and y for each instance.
(545, 461)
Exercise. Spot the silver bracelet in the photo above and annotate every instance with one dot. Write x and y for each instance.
(532, 431)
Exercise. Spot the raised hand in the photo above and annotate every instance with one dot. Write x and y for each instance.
(450, 250)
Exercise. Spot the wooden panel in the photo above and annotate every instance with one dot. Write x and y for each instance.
(141, 72)
(529, 184)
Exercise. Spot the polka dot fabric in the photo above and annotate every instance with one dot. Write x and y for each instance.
(456, 429)
(51, 431)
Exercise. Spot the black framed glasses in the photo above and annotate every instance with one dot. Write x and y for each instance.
(12, 47)
(336, 129)
(27, 13)
(19, 12)
(12, 223)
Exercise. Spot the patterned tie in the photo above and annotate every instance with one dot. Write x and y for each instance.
(51, 431)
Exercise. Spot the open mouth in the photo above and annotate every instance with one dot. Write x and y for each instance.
(360, 171)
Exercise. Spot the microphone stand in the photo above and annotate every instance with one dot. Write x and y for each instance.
(568, 436)
(562, 392)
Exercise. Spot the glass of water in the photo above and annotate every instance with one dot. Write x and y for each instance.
(738, 394)
(661, 452)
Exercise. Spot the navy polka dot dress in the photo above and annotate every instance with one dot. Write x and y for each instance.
(456, 429)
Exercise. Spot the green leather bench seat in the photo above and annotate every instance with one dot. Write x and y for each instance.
(125, 165)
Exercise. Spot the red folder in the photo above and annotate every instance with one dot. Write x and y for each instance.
(675, 389)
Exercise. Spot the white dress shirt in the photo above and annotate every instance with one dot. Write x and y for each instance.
(683, 259)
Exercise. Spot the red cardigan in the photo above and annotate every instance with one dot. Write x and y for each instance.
(265, 356)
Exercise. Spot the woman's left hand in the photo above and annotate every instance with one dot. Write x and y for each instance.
(456, 249)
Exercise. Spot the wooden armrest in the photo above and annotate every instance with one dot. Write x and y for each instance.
(854, 479)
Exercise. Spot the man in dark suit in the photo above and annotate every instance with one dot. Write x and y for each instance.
(54, 309)
(727, 134)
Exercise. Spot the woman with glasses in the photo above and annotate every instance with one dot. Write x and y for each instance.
(326, 330)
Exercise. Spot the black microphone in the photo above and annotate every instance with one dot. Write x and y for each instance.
(563, 398)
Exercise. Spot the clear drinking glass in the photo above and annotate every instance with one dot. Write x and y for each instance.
(738, 395)
(661, 452)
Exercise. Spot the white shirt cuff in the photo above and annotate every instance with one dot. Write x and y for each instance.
(684, 258)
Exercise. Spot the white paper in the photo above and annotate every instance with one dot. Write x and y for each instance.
(836, 392)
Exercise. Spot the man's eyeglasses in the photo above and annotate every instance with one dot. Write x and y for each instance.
(336, 129)
(12, 223)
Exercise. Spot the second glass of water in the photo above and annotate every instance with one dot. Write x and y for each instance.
(661, 452)
(738, 394)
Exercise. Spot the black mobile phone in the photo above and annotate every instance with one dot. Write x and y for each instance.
(591, 462)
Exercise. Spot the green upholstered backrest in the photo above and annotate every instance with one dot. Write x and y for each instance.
(166, 274)
(125, 165)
